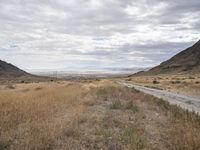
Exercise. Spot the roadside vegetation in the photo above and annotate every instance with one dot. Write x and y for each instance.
(186, 84)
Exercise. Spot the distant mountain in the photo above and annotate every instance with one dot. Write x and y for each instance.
(9, 70)
(187, 61)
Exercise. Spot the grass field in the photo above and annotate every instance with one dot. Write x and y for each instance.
(91, 115)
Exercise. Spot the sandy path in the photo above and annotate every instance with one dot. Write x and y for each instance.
(186, 102)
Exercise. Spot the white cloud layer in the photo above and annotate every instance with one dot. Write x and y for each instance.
(37, 34)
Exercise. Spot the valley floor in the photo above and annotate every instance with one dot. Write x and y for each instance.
(91, 114)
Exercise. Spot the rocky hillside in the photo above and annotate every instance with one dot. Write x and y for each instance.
(187, 61)
(9, 70)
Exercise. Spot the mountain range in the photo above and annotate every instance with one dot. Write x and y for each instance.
(187, 61)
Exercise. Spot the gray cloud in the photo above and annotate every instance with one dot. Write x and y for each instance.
(118, 33)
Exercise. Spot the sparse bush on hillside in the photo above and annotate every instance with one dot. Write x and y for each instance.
(116, 105)
(38, 88)
(26, 90)
(131, 106)
(159, 78)
(191, 77)
(135, 90)
(176, 82)
(10, 87)
(155, 82)
(129, 79)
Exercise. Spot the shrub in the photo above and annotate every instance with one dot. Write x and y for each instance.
(191, 77)
(135, 90)
(176, 82)
(10, 87)
(129, 79)
(38, 88)
(116, 105)
(155, 82)
(130, 105)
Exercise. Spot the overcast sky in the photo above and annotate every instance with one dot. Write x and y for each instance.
(54, 34)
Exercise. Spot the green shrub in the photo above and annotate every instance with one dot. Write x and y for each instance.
(131, 106)
(116, 105)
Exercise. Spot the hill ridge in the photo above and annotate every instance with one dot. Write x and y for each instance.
(186, 61)
(9, 70)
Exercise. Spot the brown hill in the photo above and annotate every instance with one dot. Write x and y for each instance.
(9, 70)
(187, 61)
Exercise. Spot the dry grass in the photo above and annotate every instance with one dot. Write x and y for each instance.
(184, 126)
(123, 123)
(173, 127)
(91, 115)
(179, 83)
(32, 119)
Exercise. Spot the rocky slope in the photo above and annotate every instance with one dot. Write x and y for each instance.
(9, 70)
(187, 61)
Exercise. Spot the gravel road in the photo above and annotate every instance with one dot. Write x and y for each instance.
(186, 102)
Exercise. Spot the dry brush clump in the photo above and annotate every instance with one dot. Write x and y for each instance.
(176, 82)
(10, 87)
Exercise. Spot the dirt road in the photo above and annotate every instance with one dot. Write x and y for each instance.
(186, 102)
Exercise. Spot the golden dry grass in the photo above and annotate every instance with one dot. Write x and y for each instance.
(32, 118)
(91, 115)
(187, 84)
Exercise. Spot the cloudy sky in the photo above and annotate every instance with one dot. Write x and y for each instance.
(55, 34)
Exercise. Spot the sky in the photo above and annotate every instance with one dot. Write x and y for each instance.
(74, 34)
